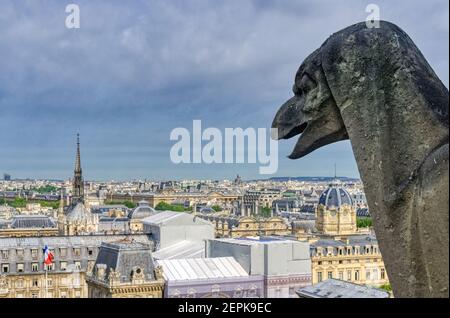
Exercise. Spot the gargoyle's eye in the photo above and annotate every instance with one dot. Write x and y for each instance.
(296, 90)
(305, 83)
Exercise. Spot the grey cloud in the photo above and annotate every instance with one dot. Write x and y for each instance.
(135, 70)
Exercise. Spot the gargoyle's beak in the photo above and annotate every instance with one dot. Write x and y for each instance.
(290, 121)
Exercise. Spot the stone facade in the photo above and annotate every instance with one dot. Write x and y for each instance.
(22, 270)
(356, 259)
(336, 221)
(230, 226)
(125, 269)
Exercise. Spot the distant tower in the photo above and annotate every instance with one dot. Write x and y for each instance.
(77, 219)
(60, 212)
(78, 186)
(335, 213)
(61, 202)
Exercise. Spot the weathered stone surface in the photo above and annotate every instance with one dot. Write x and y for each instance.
(375, 87)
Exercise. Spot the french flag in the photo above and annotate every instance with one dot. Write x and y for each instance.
(48, 256)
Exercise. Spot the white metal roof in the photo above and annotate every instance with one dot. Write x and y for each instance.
(201, 268)
(182, 249)
(166, 217)
(254, 240)
(162, 217)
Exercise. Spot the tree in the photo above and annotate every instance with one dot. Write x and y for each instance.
(216, 208)
(45, 189)
(266, 212)
(128, 204)
(163, 206)
(387, 287)
(363, 222)
(18, 203)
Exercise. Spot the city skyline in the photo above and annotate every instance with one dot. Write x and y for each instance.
(124, 81)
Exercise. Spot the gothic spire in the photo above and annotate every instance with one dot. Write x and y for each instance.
(78, 186)
(78, 157)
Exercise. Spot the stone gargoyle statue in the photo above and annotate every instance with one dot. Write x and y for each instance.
(374, 87)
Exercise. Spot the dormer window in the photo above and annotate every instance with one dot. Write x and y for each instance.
(5, 254)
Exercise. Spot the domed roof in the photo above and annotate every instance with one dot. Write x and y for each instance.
(305, 225)
(78, 212)
(143, 210)
(207, 210)
(335, 196)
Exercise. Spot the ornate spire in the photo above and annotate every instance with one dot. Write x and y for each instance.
(78, 186)
(78, 157)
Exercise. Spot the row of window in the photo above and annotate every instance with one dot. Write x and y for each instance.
(346, 251)
(35, 267)
(76, 251)
(370, 275)
(35, 282)
(49, 294)
(349, 261)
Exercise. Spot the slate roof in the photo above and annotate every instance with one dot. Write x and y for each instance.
(32, 221)
(306, 225)
(125, 256)
(362, 212)
(207, 210)
(359, 241)
(309, 208)
(65, 241)
(113, 219)
(334, 288)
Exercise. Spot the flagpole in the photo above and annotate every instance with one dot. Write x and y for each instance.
(46, 281)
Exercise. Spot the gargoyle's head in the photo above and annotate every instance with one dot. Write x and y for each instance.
(312, 112)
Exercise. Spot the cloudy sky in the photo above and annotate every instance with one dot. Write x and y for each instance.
(137, 69)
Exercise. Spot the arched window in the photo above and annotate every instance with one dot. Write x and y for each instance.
(191, 293)
(215, 290)
(253, 291)
(175, 294)
(238, 292)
